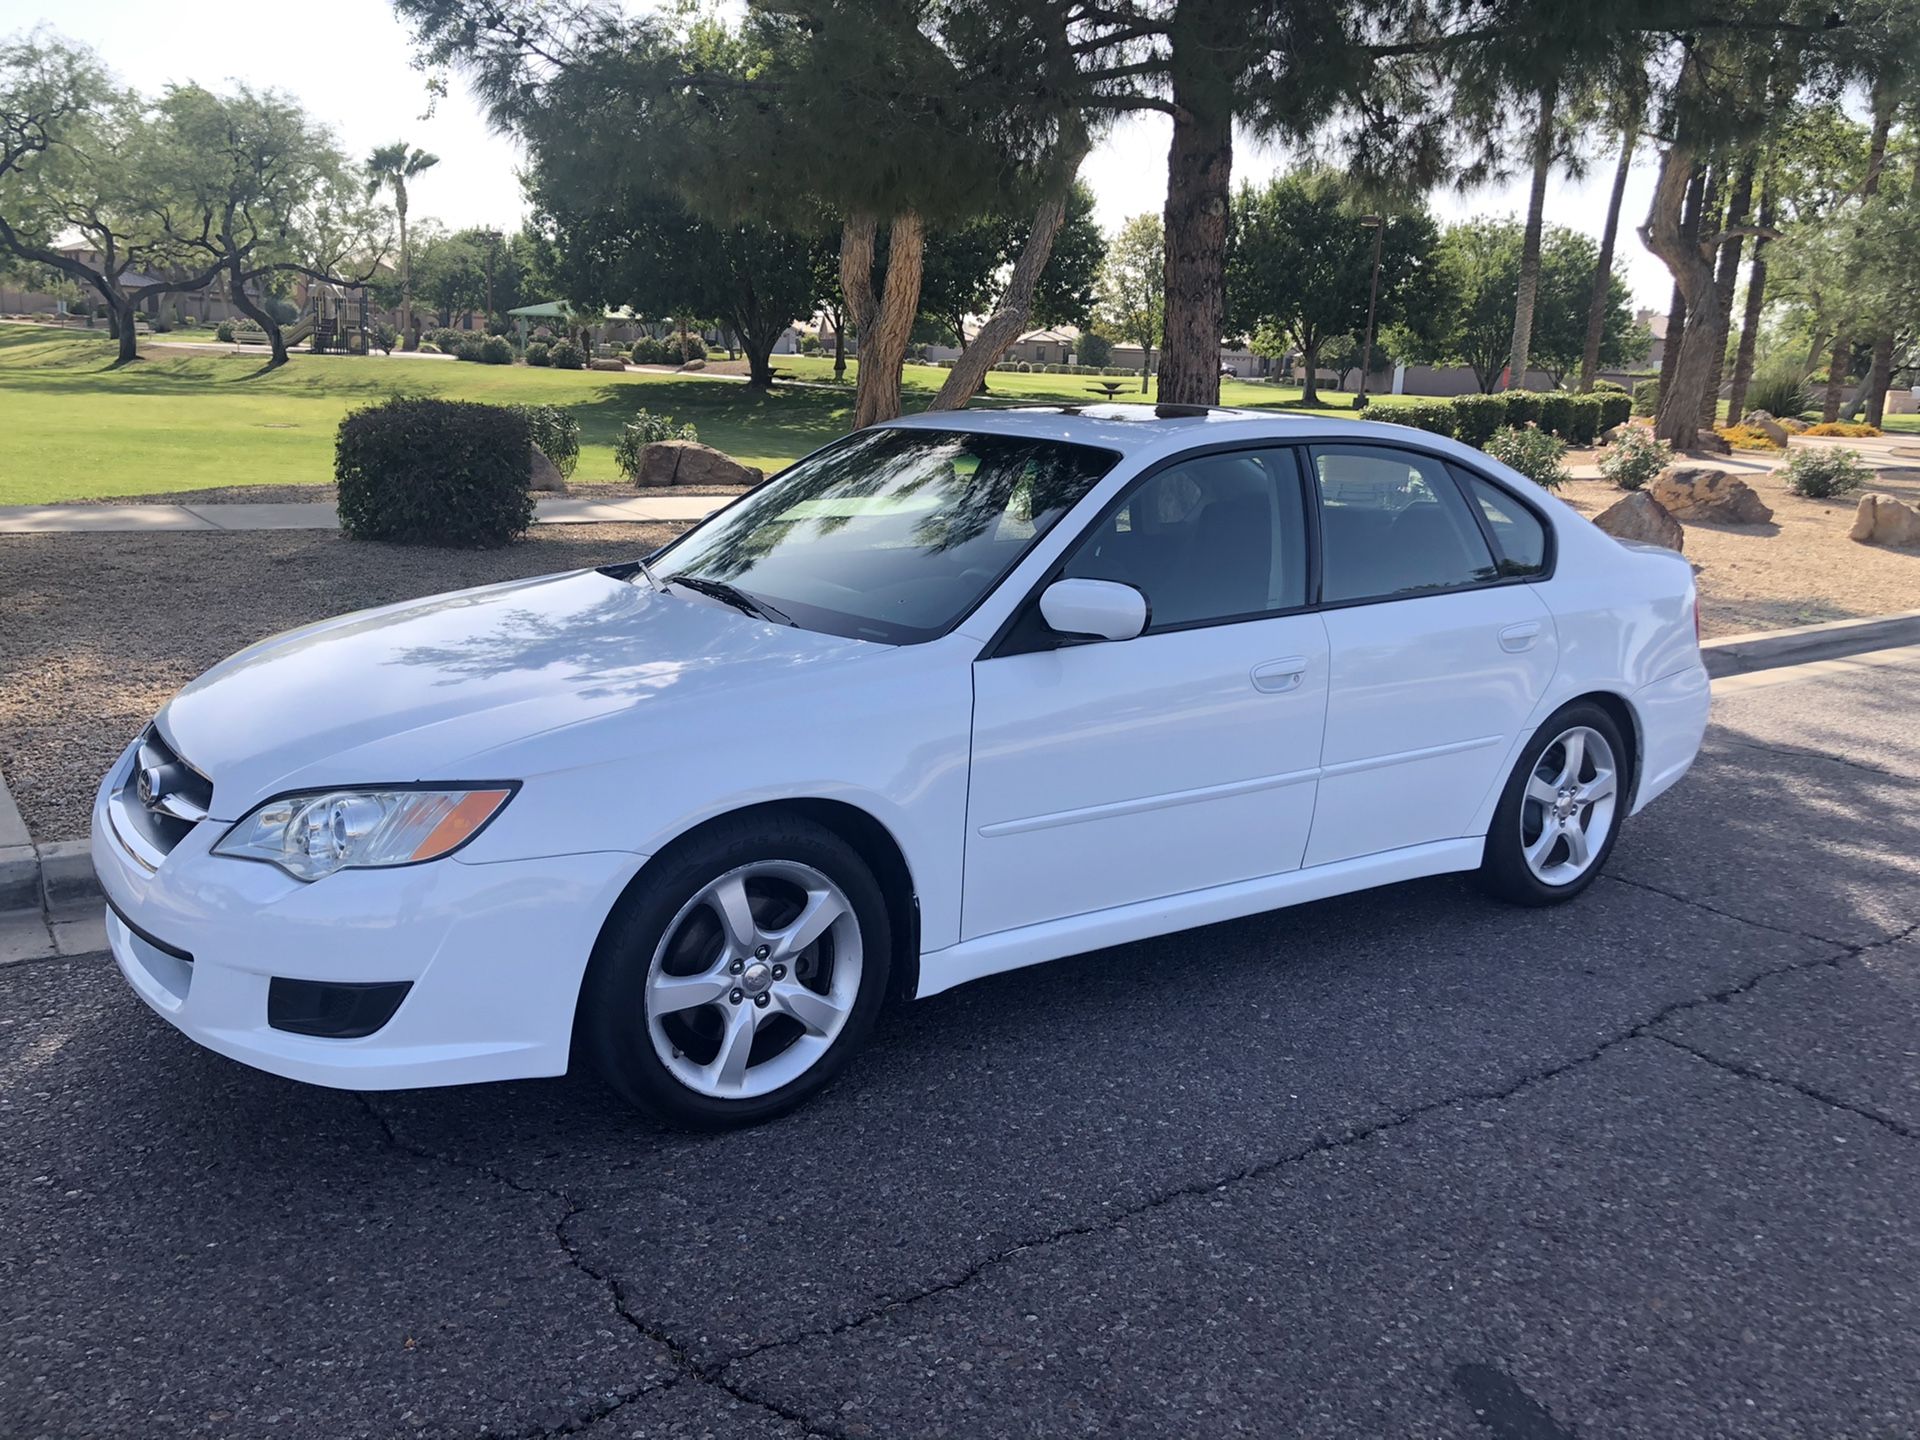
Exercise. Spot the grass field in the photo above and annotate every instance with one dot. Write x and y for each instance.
(73, 427)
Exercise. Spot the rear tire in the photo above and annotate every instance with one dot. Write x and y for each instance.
(738, 977)
(1560, 813)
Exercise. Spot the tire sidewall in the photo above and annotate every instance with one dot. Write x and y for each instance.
(614, 1020)
(1504, 864)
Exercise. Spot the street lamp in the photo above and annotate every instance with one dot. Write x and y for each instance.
(1378, 225)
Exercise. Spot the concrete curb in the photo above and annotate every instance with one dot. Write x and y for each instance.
(58, 879)
(1771, 649)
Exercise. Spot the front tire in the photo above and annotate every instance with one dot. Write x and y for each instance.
(1561, 810)
(740, 975)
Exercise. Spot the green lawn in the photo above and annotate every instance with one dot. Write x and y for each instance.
(71, 426)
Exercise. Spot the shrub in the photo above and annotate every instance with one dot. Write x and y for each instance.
(427, 347)
(467, 348)
(1523, 407)
(1556, 414)
(1745, 437)
(643, 430)
(434, 472)
(1851, 430)
(1439, 417)
(1635, 458)
(1646, 397)
(384, 338)
(539, 352)
(1616, 408)
(496, 350)
(565, 355)
(1476, 417)
(1533, 452)
(248, 333)
(1823, 473)
(1610, 387)
(223, 332)
(645, 351)
(1780, 390)
(447, 339)
(809, 344)
(1583, 419)
(555, 431)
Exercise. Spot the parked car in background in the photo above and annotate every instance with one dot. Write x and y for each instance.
(951, 696)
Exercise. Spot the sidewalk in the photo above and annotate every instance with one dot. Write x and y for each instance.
(319, 515)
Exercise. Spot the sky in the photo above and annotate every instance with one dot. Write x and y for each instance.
(349, 64)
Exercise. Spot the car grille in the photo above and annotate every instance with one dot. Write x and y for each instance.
(161, 799)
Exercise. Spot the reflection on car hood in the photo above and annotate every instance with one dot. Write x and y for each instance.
(409, 691)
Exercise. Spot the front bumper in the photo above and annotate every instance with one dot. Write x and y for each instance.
(494, 954)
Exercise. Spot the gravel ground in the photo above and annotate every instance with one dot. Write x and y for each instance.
(1799, 569)
(96, 631)
(264, 494)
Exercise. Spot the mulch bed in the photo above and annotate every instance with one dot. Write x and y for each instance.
(97, 631)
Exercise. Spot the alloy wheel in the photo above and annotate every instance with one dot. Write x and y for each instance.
(1568, 809)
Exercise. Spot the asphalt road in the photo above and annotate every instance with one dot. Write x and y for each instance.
(1407, 1164)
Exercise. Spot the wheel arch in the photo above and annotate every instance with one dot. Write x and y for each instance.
(871, 840)
(1620, 710)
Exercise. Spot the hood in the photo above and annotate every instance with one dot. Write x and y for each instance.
(410, 691)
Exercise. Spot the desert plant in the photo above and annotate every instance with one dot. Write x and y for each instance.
(1823, 473)
(1780, 390)
(1535, 453)
(419, 471)
(1635, 458)
(643, 430)
(556, 432)
(1746, 437)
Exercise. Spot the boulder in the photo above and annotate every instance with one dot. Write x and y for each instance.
(1642, 518)
(688, 462)
(1768, 426)
(607, 362)
(1713, 442)
(1883, 520)
(1617, 433)
(546, 475)
(1691, 492)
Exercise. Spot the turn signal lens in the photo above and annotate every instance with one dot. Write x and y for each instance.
(313, 835)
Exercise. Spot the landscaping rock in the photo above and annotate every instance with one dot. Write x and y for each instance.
(1691, 492)
(1642, 518)
(1768, 426)
(688, 462)
(1883, 520)
(1713, 442)
(546, 475)
(695, 364)
(607, 362)
(1612, 436)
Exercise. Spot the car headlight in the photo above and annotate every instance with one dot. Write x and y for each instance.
(319, 832)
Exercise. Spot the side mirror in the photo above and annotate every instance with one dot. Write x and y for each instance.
(1104, 609)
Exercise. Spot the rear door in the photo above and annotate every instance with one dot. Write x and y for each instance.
(1439, 650)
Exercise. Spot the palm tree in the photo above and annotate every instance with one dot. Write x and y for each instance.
(390, 168)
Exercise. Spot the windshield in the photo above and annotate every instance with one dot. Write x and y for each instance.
(891, 535)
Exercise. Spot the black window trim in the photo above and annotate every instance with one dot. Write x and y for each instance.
(1302, 449)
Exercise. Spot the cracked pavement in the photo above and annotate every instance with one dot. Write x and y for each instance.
(1407, 1163)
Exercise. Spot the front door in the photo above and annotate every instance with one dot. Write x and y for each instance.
(1438, 657)
(1111, 772)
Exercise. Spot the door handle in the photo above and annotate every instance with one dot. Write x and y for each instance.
(1516, 638)
(1279, 676)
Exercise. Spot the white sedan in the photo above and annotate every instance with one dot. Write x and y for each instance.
(954, 695)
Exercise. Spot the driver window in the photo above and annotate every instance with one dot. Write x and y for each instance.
(1218, 537)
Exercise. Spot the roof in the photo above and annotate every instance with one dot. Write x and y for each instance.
(1143, 429)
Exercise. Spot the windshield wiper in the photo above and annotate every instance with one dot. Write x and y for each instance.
(732, 595)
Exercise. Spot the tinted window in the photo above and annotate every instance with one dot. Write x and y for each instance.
(1517, 532)
(1214, 538)
(1393, 523)
(893, 534)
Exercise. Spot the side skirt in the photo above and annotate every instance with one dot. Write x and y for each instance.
(1077, 934)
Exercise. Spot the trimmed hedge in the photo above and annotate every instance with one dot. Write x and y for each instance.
(1583, 419)
(1476, 417)
(1439, 417)
(1616, 408)
(1646, 397)
(1556, 413)
(419, 471)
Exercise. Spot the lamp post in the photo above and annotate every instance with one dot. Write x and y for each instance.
(1378, 225)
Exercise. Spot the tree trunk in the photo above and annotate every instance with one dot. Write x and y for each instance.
(1726, 277)
(1840, 361)
(1011, 315)
(1676, 329)
(407, 327)
(1199, 186)
(886, 322)
(1603, 269)
(1665, 233)
(1530, 243)
(237, 293)
(1756, 302)
(1310, 359)
(1879, 379)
